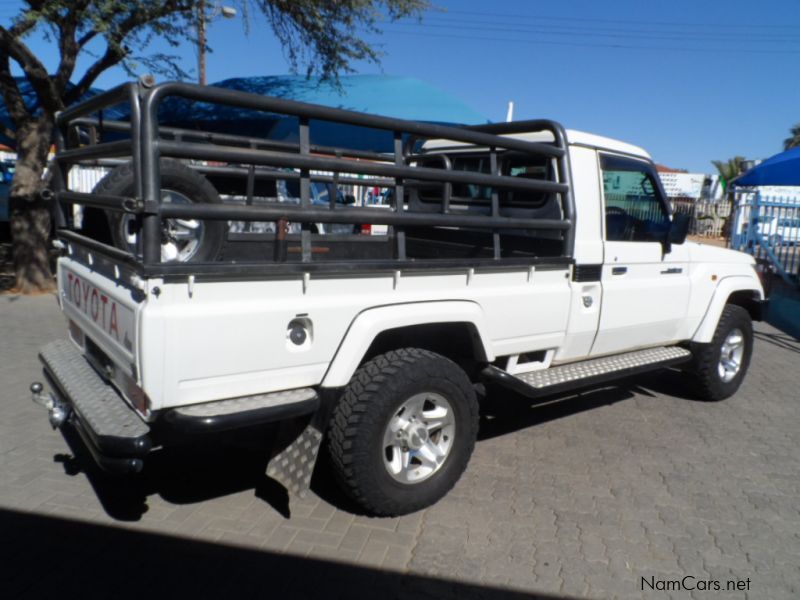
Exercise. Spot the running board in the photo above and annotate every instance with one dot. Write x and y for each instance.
(587, 372)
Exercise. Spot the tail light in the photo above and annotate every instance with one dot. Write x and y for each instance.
(366, 229)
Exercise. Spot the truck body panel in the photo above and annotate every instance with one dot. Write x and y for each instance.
(230, 339)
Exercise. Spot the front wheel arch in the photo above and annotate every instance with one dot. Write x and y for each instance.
(741, 290)
(709, 360)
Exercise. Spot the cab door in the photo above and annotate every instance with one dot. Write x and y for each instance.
(645, 291)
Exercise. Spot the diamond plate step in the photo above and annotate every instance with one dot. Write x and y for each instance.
(243, 412)
(585, 372)
(294, 465)
(98, 404)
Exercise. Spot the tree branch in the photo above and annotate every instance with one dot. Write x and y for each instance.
(11, 93)
(27, 19)
(115, 52)
(87, 37)
(34, 69)
(67, 44)
(111, 57)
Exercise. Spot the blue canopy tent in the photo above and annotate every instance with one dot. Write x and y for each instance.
(770, 226)
(781, 169)
(32, 102)
(401, 97)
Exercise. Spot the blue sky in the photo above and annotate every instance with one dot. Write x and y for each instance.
(690, 81)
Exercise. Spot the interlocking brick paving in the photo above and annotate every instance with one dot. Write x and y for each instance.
(581, 496)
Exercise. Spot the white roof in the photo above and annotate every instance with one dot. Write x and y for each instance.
(580, 138)
(598, 141)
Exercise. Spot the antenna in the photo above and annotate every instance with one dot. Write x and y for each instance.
(510, 113)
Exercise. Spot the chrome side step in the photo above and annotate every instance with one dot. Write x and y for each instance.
(588, 372)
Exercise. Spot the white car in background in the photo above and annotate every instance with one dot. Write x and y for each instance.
(778, 230)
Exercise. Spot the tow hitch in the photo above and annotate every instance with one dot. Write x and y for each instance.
(57, 411)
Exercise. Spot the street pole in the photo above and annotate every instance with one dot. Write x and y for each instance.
(203, 19)
(201, 42)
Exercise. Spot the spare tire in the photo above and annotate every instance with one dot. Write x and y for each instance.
(182, 240)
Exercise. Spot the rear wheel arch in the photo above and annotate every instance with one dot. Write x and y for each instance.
(459, 341)
(454, 329)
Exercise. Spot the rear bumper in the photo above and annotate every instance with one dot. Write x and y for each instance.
(117, 437)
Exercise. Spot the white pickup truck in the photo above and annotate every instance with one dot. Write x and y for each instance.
(521, 255)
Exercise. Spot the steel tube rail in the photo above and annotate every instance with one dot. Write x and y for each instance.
(105, 150)
(273, 174)
(563, 162)
(104, 201)
(294, 212)
(107, 99)
(311, 111)
(228, 138)
(109, 251)
(282, 159)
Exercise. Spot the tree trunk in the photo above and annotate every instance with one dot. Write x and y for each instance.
(30, 215)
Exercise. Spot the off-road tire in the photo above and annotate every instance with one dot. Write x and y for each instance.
(175, 176)
(356, 429)
(705, 357)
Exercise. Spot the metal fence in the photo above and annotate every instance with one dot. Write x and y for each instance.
(768, 227)
(709, 217)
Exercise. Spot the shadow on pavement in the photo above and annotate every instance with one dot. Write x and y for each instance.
(49, 557)
(200, 472)
(184, 475)
(504, 411)
(784, 341)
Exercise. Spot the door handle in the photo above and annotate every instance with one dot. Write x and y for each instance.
(619, 270)
(672, 271)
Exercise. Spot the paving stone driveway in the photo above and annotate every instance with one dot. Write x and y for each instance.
(596, 495)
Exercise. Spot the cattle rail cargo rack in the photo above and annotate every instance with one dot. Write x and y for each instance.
(84, 136)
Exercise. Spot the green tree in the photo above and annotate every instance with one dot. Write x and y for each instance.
(728, 170)
(320, 35)
(793, 140)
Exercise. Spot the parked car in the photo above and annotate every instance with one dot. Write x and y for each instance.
(779, 230)
(6, 176)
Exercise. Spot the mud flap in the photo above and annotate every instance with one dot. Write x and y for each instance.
(296, 454)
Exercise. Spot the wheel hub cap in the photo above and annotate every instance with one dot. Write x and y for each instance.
(730, 356)
(180, 238)
(418, 438)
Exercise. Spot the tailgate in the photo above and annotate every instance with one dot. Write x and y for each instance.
(103, 309)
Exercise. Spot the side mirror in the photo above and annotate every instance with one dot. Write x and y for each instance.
(349, 199)
(679, 228)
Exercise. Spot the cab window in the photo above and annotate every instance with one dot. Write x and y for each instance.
(634, 208)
